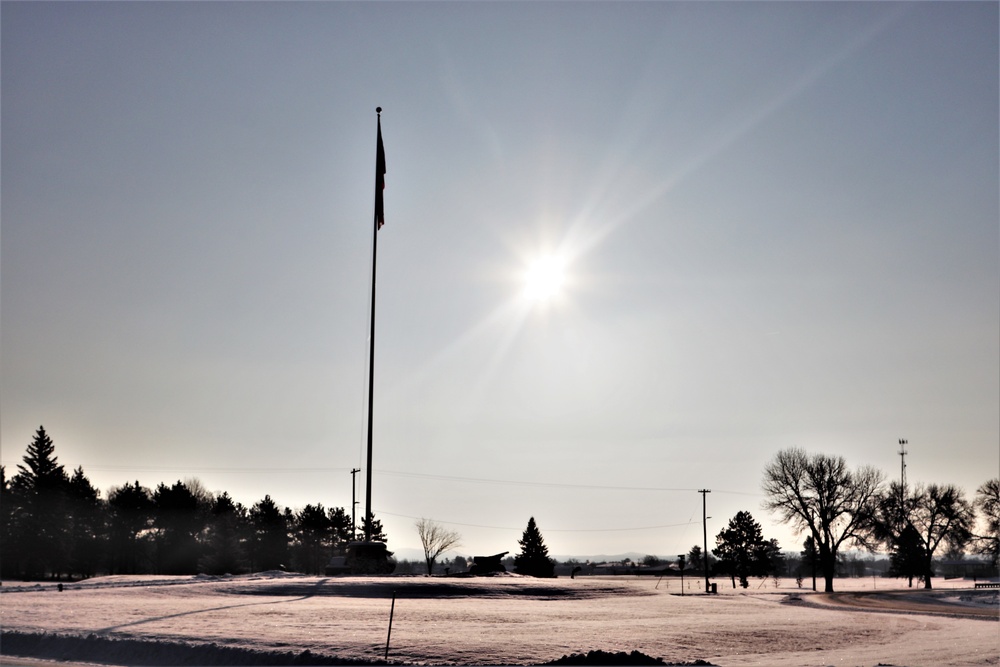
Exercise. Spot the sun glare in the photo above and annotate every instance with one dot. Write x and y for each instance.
(544, 278)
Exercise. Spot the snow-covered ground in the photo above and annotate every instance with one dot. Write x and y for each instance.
(518, 620)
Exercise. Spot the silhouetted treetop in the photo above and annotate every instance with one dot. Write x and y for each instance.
(534, 557)
(41, 469)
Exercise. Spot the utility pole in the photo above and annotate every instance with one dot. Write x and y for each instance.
(704, 528)
(354, 503)
(902, 483)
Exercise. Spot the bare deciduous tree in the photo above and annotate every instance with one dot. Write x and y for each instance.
(914, 524)
(818, 494)
(435, 540)
(988, 504)
(941, 514)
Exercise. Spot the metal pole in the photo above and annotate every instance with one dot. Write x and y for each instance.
(902, 461)
(371, 360)
(354, 503)
(392, 610)
(902, 484)
(704, 528)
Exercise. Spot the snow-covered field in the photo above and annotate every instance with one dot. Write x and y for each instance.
(518, 620)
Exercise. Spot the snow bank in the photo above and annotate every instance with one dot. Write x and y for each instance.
(143, 652)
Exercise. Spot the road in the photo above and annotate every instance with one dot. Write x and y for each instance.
(961, 603)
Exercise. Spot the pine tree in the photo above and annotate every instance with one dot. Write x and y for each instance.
(313, 543)
(377, 532)
(41, 470)
(130, 509)
(741, 549)
(341, 527)
(534, 558)
(908, 556)
(269, 545)
(179, 517)
(224, 547)
(86, 525)
(810, 557)
(10, 545)
(41, 525)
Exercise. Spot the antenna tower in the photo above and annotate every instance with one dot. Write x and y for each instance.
(902, 482)
(902, 463)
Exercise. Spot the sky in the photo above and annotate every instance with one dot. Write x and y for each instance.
(768, 225)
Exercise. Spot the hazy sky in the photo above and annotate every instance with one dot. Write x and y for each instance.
(778, 225)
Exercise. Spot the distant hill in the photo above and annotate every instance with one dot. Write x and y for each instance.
(633, 556)
(418, 555)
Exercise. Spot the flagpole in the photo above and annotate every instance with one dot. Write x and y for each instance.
(379, 183)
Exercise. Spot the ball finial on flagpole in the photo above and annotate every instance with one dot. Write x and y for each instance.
(378, 109)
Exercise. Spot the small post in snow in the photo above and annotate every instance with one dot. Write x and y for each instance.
(392, 610)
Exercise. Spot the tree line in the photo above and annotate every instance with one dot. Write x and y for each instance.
(54, 525)
(836, 507)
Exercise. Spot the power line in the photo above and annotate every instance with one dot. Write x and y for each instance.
(203, 469)
(395, 473)
(510, 482)
(563, 485)
(547, 530)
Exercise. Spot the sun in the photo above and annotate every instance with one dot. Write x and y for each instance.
(544, 278)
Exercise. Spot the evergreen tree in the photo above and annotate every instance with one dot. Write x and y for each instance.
(269, 542)
(10, 545)
(86, 525)
(776, 563)
(741, 549)
(313, 539)
(130, 510)
(224, 540)
(341, 527)
(908, 556)
(696, 559)
(377, 532)
(938, 515)
(810, 558)
(179, 518)
(41, 468)
(534, 558)
(459, 565)
(41, 524)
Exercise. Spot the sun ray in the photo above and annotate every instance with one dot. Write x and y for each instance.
(584, 235)
(507, 319)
